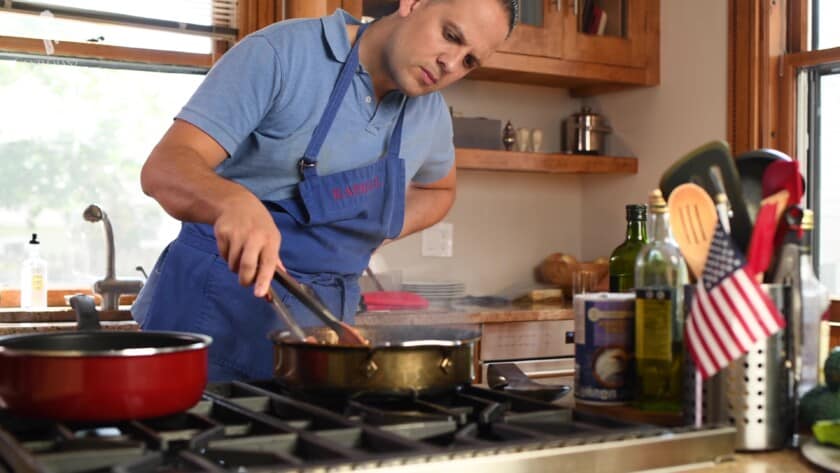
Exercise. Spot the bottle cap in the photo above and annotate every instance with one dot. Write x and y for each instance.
(34, 240)
(657, 202)
(636, 212)
(807, 219)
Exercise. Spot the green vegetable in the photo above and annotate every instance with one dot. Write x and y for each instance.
(827, 431)
(820, 407)
(820, 403)
(831, 368)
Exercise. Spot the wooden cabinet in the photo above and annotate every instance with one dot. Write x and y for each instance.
(560, 53)
(541, 36)
(557, 29)
(552, 47)
(622, 44)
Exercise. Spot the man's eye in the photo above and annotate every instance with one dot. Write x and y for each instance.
(469, 62)
(450, 36)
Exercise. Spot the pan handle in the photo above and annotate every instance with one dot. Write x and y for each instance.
(87, 318)
(510, 378)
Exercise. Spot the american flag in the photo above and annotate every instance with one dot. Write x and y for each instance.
(729, 312)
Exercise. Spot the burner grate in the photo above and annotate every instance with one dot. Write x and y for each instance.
(261, 426)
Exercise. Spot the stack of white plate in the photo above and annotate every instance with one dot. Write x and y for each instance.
(436, 292)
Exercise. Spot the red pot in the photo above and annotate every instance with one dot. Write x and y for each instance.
(102, 376)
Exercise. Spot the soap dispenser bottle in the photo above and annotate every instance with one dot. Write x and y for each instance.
(33, 284)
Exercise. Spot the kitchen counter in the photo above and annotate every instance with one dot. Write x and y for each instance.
(15, 320)
(784, 461)
(432, 316)
(58, 314)
(55, 319)
(464, 315)
(10, 328)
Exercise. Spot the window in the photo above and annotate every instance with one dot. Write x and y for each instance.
(79, 123)
(825, 157)
(826, 14)
(816, 73)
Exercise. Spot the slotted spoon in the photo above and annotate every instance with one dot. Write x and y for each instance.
(693, 221)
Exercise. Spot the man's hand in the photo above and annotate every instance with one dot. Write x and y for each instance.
(249, 241)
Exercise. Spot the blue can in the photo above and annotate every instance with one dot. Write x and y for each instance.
(604, 341)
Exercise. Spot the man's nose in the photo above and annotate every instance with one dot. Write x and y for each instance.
(449, 62)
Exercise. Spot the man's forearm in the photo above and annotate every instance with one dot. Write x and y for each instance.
(425, 207)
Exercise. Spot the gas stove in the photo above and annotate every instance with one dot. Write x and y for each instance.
(261, 427)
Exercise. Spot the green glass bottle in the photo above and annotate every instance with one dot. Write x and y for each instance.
(660, 276)
(623, 258)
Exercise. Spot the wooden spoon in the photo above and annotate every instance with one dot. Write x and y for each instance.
(693, 221)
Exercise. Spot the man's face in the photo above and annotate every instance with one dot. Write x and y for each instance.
(440, 41)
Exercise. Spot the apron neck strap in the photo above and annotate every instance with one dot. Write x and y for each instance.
(396, 136)
(345, 77)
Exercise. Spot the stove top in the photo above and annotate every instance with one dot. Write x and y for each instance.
(259, 426)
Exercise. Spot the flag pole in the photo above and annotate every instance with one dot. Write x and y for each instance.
(698, 399)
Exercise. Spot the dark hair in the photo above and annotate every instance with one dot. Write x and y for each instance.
(512, 9)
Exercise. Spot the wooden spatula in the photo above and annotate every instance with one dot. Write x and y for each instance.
(693, 221)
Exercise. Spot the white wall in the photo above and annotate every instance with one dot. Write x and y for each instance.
(505, 223)
(661, 124)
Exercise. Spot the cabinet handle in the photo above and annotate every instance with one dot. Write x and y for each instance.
(573, 4)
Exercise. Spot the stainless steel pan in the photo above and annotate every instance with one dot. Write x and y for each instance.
(399, 360)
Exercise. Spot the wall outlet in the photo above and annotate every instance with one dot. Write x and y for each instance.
(437, 240)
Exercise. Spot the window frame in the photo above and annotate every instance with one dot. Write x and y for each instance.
(251, 16)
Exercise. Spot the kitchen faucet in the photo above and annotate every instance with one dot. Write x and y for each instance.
(110, 288)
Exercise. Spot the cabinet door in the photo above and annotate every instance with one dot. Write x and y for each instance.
(540, 32)
(622, 40)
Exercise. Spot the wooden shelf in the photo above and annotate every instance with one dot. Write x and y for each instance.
(557, 163)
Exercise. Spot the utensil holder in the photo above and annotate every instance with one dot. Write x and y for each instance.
(755, 393)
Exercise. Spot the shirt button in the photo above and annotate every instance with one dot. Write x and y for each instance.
(368, 99)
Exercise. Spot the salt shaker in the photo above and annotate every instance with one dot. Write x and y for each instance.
(536, 140)
(523, 136)
(508, 136)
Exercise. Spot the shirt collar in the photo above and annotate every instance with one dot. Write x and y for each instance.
(335, 33)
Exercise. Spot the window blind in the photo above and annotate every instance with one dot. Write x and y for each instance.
(211, 18)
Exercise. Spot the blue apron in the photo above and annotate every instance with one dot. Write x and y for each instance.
(329, 231)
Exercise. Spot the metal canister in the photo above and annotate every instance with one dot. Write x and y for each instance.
(604, 341)
(585, 132)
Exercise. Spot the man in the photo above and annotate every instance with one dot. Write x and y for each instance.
(308, 144)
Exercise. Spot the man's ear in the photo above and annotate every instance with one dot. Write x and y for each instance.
(408, 6)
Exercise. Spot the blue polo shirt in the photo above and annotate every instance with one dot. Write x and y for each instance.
(262, 100)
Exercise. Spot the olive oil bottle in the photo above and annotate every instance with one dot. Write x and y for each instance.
(623, 258)
(659, 277)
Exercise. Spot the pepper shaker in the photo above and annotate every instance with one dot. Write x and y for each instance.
(508, 136)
